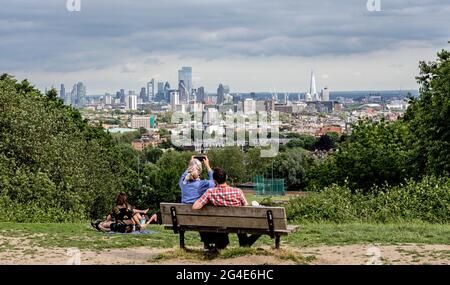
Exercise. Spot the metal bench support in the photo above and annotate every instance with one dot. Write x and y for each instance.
(173, 214)
(270, 223)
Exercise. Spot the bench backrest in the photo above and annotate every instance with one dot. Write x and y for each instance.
(225, 217)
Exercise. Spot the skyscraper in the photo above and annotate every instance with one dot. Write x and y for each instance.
(201, 95)
(81, 94)
(185, 75)
(131, 102)
(62, 92)
(174, 100)
(220, 94)
(122, 96)
(325, 94)
(183, 91)
(143, 94)
(151, 90)
(167, 92)
(312, 84)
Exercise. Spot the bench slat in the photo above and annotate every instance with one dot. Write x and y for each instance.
(256, 212)
(228, 230)
(225, 222)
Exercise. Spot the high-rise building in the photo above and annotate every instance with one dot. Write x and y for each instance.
(220, 94)
(325, 94)
(174, 99)
(62, 92)
(167, 92)
(183, 92)
(201, 94)
(185, 75)
(151, 90)
(143, 94)
(160, 87)
(131, 102)
(81, 94)
(122, 96)
(107, 99)
(312, 84)
(77, 96)
(312, 94)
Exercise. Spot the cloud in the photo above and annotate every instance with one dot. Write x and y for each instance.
(42, 36)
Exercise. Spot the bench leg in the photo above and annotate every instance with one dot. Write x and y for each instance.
(182, 246)
(277, 241)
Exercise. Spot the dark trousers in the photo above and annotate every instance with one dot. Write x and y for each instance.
(247, 241)
(219, 240)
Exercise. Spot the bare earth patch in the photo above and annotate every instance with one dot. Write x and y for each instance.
(14, 250)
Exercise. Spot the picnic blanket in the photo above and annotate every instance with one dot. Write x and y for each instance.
(143, 232)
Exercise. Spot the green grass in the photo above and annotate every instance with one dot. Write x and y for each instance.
(313, 234)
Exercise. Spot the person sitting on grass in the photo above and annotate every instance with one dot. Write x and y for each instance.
(227, 196)
(123, 217)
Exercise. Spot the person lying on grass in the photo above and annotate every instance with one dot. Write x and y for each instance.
(227, 196)
(123, 217)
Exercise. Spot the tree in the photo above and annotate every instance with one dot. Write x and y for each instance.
(428, 118)
(304, 141)
(292, 166)
(376, 153)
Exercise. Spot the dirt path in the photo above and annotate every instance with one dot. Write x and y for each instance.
(21, 253)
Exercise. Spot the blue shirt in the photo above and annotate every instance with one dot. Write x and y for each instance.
(192, 190)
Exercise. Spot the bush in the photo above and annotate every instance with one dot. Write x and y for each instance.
(427, 200)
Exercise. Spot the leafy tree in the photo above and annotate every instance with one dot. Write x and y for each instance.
(376, 153)
(304, 141)
(292, 166)
(428, 118)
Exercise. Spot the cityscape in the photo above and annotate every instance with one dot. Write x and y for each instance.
(316, 112)
(231, 139)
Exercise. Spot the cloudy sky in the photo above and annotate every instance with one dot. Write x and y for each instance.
(251, 45)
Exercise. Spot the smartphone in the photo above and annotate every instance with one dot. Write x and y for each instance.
(200, 157)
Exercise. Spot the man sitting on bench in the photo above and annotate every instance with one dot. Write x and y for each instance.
(227, 196)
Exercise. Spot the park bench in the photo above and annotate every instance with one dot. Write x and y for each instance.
(249, 220)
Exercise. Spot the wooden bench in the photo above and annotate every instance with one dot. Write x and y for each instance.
(249, 220)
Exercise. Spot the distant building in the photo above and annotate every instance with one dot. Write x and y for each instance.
(201, 95)
(131, 102)
(284, 108)
(329, 129)
(212, 116)
(141, 144)
(220, 94)
(62, 92)
(249, 106)
(150, 90)
(325, 94)
(269, 105)
(147, 122)
(107, 99)
(122, 96)
(174, 100)
(143, 94)
(183, 92)
(185, 75)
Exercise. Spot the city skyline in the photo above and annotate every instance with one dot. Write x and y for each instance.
(251, 45)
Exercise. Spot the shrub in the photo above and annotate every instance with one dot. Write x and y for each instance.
(426, 200)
